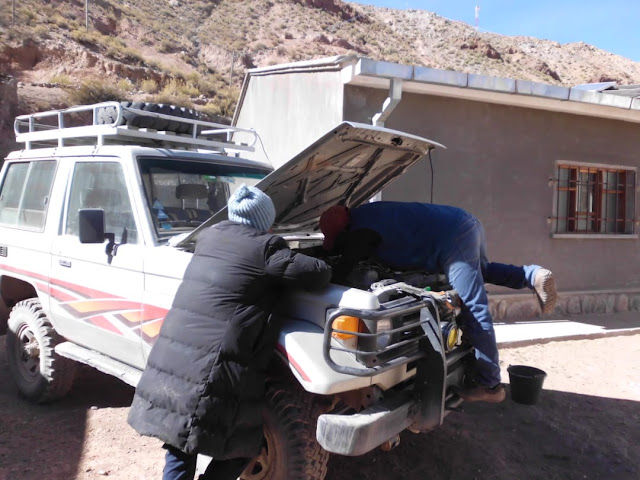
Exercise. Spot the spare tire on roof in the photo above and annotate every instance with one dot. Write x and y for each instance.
(188, 114)
(162, 123)
(107, 115)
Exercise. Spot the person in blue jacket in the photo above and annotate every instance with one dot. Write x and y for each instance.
(438, 239)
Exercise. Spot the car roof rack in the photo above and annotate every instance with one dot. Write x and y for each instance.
(112, 123)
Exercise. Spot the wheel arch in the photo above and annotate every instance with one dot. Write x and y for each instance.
(12, 291)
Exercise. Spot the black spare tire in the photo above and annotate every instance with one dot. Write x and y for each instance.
(107, 115)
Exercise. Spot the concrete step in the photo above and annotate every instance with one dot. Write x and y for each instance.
(532, 331)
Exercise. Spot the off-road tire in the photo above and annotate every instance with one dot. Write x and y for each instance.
(40, 374)
(291, 451)
(107, 115)
(4, 316)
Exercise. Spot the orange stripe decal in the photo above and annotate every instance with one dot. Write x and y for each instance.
(149, 312)
(87, 306)
(152, 329)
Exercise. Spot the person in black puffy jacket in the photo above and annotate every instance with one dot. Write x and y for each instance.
(202, 390)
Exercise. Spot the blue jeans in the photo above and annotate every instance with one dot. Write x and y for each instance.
(182, 466)
(468, 270)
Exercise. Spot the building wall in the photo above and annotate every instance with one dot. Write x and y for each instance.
(291, 110)
(498, 165)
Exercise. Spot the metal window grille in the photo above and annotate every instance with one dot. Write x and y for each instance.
(595, 200)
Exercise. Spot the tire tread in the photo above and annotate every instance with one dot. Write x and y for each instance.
(58, 372)
(298, 411)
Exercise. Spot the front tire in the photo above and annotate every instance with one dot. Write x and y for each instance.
(4, 316)
(290, 448)
(40, 374)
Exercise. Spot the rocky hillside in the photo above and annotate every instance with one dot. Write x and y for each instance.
(195, 52)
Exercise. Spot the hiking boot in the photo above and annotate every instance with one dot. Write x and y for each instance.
(483, 394)
(545, 287)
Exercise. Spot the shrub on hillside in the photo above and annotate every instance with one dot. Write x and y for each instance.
(95, 91)
(61, 79)
(125, 85)
(176, 88)
(166, 46)
(224, 105)
(90, 37)
(149, 86)
(168, 99)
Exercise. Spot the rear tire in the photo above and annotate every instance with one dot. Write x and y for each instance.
(290, 450)
(40, 374)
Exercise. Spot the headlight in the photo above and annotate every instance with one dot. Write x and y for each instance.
(384, 326)
(379, 341)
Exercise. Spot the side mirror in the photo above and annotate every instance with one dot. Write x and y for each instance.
(91, 225)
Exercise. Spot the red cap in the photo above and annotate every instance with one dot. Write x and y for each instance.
(333, 221)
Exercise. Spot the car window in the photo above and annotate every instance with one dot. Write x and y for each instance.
(102, 185)
(182, 193)
(24, 196)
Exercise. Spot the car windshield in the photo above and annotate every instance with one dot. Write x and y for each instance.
(182, 194)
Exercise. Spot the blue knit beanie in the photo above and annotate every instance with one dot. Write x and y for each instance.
(250, 206)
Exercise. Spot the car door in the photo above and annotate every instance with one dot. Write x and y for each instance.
(96, 297)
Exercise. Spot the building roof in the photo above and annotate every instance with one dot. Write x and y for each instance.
(605, 100)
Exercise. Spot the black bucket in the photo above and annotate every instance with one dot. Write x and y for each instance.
(526, 383)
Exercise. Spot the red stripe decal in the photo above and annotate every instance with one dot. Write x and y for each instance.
(295, 365)
(24, 272)
(60, 295)
(102, 322)
(43, 287)
(87, 292)
(151, 311)
(77, 306)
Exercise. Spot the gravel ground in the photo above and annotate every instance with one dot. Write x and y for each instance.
(585, 426)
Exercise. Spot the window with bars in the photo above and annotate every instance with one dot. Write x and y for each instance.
(595, 200)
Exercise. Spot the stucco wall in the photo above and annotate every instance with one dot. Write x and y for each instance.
(291, 110)
(498, 165)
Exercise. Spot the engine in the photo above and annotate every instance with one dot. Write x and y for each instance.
(367, 273)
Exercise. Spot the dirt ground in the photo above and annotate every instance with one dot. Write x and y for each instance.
(585, 426)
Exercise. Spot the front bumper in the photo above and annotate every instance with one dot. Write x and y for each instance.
(423, 407)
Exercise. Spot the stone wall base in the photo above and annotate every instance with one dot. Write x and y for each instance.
(514, 307)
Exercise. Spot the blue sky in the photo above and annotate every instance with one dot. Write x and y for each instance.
(612, 26)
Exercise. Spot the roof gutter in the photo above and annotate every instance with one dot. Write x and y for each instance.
(389, 105)
(481, 88)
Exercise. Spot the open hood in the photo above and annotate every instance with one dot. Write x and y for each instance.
(347, 166)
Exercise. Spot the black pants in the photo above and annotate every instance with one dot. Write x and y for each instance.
(182, 466)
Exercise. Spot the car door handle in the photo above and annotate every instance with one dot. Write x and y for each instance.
(65, 263)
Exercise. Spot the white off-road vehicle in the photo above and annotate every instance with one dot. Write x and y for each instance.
(97, 224)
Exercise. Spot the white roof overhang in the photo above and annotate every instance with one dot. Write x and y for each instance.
(590, 100)
(482, 88)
